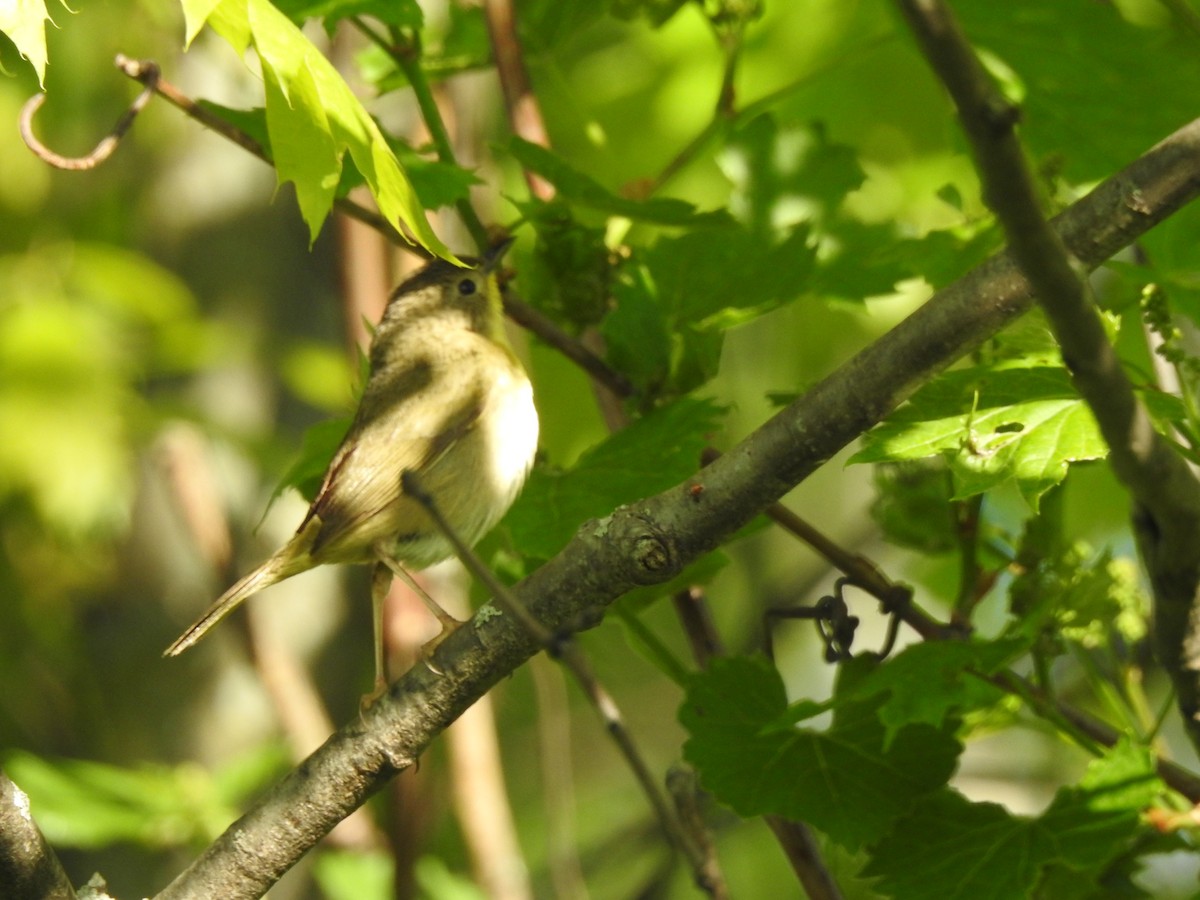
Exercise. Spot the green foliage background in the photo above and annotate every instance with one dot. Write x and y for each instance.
(167, 307)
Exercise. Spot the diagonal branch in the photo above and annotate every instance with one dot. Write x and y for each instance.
(1165, 492)
(29, 870)
(650, 541)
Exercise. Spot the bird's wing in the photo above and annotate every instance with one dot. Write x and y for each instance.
(398, 427)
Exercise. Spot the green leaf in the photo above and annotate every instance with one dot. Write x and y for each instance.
(930, 681)
(1100, 119)
(308, 471)
(651, 455)
(843, 781)
(913, 507)
(398, 13)
(437, 183)
(1077, 595)
(87, 804)
(951, 848)
(359, 875)
(675, 300)
(313, 117)
(24, 21)
(638, 336)
(785, 176)
(571, 274)
(576, 187)
(1022, 424)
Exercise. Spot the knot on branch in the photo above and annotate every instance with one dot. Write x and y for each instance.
(654, 559)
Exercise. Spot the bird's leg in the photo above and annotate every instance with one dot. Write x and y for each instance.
(381, 582)
(449, 623)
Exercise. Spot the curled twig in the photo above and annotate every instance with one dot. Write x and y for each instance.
(107, 145)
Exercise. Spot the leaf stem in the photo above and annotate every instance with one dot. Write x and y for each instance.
(405, 50)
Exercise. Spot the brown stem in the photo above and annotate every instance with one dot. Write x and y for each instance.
(107, 145)
(524, 113)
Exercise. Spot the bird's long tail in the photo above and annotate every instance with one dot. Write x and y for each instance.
(274, 570)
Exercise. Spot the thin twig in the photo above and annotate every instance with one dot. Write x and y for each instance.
(865, 575)
(519, 99)
(692, 610)
(541, 325)
(107, 145)
(562, 647)
(684, 788)
(407, 55)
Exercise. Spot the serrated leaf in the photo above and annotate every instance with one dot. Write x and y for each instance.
(24, 21)
(437, 183)
(842, 781)
(1024, 424)
(314, 118)
(636, 333)
(571, 273)
(782, 176)
(930, 681)
(675, 300)
(576, 187)
(949, 847)
(1080, 596)
(654, 453)
(1098, 119)
(302, 144)
(912, 505)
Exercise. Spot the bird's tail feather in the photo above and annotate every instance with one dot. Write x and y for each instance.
(274, 570)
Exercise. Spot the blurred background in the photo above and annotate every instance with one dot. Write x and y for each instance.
(168, 336)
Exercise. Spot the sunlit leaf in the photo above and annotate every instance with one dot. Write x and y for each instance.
(314, 118)
(1025, 424)
(24, 21)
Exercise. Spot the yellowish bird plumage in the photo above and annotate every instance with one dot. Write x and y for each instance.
(445, 398)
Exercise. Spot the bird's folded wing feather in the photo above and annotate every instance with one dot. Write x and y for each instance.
(399, 426)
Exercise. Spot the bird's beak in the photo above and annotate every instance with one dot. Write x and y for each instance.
(494, 254)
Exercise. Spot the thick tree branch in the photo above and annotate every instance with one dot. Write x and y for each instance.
(29, 870)
(1166, 493)
(650, 541)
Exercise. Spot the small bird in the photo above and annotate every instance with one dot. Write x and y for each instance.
(445, 399)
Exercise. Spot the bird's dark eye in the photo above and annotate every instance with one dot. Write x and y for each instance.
(467, 287)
